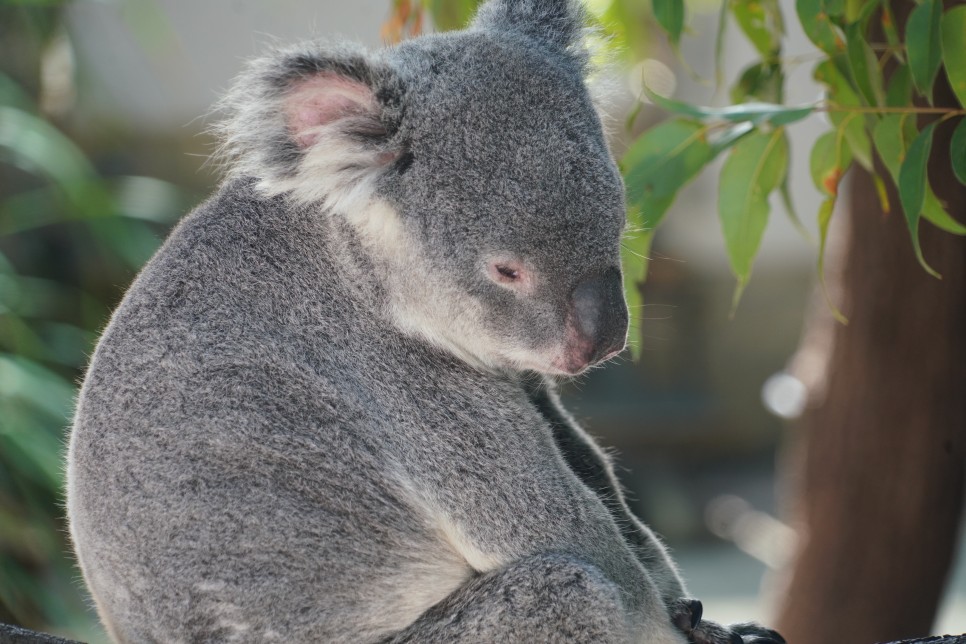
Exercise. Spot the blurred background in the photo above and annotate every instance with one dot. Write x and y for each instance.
(104, 107)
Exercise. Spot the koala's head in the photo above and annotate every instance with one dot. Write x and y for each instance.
(473, 166)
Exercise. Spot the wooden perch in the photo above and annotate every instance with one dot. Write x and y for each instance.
(15, 635)
(10, 634)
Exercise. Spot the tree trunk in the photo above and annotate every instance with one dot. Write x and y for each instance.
(877, 469)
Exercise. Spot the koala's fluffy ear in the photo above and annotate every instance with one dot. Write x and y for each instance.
(558, 23)
(315, 124)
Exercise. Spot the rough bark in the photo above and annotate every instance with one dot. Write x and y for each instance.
(877, 466)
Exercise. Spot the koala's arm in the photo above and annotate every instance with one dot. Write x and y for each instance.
(541, 598)
(593, 467)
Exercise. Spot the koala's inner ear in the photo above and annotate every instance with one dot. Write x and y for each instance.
(325, 99)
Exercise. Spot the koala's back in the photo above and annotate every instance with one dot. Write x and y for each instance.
(232, 459)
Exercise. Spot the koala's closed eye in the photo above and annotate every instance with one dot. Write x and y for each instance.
(507, 272)
(510, 274)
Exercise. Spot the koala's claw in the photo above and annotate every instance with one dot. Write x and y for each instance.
(686, 614)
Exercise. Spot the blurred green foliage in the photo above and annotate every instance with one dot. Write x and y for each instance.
(71, 236)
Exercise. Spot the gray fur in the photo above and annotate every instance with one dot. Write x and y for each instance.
(314, 418)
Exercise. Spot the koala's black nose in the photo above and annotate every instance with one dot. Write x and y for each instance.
(600, 314)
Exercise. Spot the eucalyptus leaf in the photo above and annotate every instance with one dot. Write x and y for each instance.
(817, 24)
(757, 113)
(888, 21)
(719, 35)
(889, 142)
(760, 82)
(912, 187)
(891, 138)
(786, 193)
(935, 212)
(670, 15)
(635, 251)
(834, 8)
(899, 93)
(857, 137)
(659, 163)
(863, 65)
(825, 212)
(924, 44)
(830, 73)
(761, 22)
(954, 50)
(840, 93)
(829, 161)
(722, 140)
(755, 167)
(861, 10)
(957, 151)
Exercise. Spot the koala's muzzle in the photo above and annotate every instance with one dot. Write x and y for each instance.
(597, 324)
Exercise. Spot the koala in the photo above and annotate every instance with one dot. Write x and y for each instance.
(325, 411)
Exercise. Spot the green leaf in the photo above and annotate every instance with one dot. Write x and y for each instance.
(923, 44)
(757, 113)
(719, 36)
(954, 50)
(891, 139)
(635, 251)
(830, 73)
(825, 212)
(785, 191)
(755, 167)
(670, 15)
(829, 161)
(659, 163)
(899, 93)
(863, 65)
(834, 7)
(840, 93)
(890, 143)
(861, 10)
(957, 150)
(935, 213)
(38, 147)
(816, 22)
(857, 137)
(888, 21)
(759, 82)
(761, 22)
(853, 8)
(724, 139)
(12, 95)
(912, 187)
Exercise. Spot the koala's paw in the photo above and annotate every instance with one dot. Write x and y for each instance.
(711, 633)
(686, 617)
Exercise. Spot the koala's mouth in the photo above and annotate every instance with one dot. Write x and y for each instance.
(569, 361)
(577, 362)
